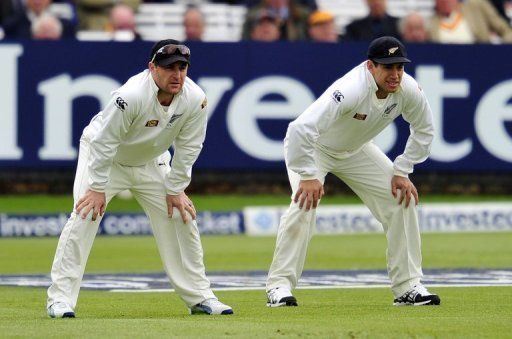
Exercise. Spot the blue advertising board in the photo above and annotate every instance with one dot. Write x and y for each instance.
(50, 90)
(42, 225)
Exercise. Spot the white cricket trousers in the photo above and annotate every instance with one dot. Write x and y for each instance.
(178, 243)
(368, 173)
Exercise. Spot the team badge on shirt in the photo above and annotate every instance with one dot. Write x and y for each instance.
(204, 103)
(388, 110)
(121, 104)
(173, 119)
(337, 96)
(152, 123)
(360, 116)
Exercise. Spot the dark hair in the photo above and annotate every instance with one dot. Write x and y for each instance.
(160, 44)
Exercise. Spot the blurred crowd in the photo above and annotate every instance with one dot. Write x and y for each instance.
(451, 21)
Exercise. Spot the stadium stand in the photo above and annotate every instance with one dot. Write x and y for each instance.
(159, 21)
(224, 22)
(63, 10)
(346, 11)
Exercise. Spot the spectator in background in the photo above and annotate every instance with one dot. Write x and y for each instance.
(46, 27)
(378, 23)
(413, 28)
(266, 28)
(471, 21)
(94, 15)
(19, 26)
(292, 18)
(193, 24)
(122, 23)
(322, 27)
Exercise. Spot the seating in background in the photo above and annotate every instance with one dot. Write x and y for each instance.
(224, 22)
(346, 11)
(161, 21)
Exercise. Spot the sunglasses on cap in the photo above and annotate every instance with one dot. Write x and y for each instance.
(171, 49)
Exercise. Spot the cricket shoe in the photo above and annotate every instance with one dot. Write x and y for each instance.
(211, 306)
(417, 296)
(60, 309)
(280, 296)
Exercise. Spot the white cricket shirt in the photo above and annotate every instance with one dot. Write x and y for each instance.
(134, 129)
(349, 114)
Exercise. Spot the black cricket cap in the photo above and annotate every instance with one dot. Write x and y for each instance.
(387, 50)
(164, 59)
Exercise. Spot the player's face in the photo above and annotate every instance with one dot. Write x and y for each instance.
(387, 77)
(170, 79)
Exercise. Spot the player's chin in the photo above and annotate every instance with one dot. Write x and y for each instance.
(174, 89)
(392, 89)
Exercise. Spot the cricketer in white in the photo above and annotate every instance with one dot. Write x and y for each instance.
(126, 147)
(334, 135)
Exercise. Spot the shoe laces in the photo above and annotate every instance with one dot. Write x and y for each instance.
(275, 293)
(272, 294)
(421, 290)
(213, 302)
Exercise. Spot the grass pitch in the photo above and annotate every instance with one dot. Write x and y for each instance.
(242, 253)
(352, 313)
(332, 313)
(483, 312)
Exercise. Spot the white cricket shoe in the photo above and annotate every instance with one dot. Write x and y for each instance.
(280, 296)
(60, 309)
(211, 306)
(417, 296)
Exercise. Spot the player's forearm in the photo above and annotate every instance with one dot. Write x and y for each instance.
(99, 166)
(416, 151)
(186, 153)
(180, 174)
(300, 150)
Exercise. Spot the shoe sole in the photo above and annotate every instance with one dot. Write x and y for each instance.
(65, 315)
(286, 301)
(199, 312)
(423, 303)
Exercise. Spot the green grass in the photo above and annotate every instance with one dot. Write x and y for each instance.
(483, 312)
(242, 253)
(333, 313)
(64, 203)
(342, 313)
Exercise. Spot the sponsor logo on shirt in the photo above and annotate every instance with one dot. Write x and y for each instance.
(121, 104)
(360, 116)
(388, 110)
(204, 103)
(173, 119)
(152, 123)
(337, 96)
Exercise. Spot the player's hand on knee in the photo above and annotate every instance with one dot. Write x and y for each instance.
(183, 204)
(91, 201)
(406, 188)
(309, 193)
